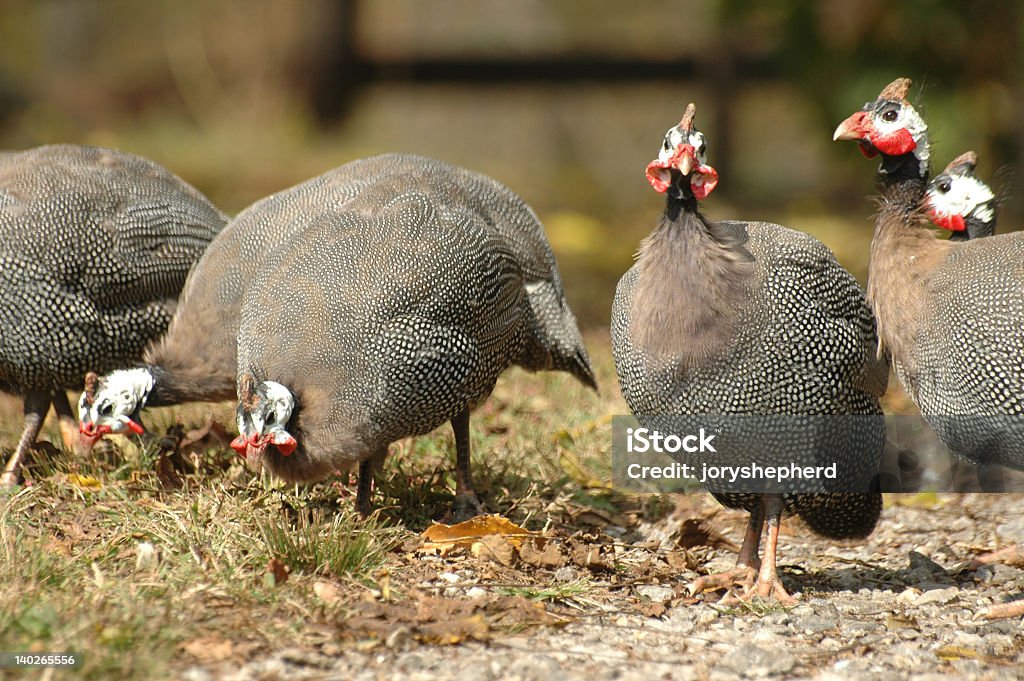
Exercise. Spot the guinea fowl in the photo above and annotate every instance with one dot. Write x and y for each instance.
(393, 308)
(195, 360)
(958, 201)
(745, 318)
(951, 313)
(95, 245)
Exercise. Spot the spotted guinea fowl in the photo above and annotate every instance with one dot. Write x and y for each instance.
(951, 313)
(958, 201)
(746, 318)
(95, 245)
(196, 359)
(392, 309)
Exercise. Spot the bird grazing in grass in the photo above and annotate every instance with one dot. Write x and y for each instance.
(95, 245)
(392, 309)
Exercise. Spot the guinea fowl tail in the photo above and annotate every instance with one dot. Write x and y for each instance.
(841, 515)
(579, 366)
(557, 343)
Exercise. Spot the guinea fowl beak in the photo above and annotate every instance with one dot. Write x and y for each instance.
(856, 127)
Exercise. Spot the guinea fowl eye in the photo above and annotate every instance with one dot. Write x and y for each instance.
(666, 146)
(106, 409)
(944, 187)
(889, 116)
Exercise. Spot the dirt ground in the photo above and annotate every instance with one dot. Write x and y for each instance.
(898, 605)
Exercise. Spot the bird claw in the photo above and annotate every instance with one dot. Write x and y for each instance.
(466, 506)
(741, 575)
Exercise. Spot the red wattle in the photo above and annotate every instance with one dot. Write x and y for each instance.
(286, 447)
(135, 427)
(239, 445)
(895, 143)
(954, 222)
(659, 183)
(703, 181)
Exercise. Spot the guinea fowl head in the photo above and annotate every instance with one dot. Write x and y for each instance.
(889, 126)
(681, 166)
(958, 201)
(112, 404)
(264, 410)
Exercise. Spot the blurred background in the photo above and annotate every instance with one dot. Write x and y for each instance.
(565, 102)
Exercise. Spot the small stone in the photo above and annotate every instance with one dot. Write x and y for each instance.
(757, 662)
(815, 624)
(655, 592)
(707, 616)
(937, 596)
(398, 638)
(476, 592)
(449, 577)
(909, 595)
(566, 574)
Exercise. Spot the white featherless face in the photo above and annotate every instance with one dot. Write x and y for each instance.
(962, 195)
(892, 117)
(674, 137)
(119, 395)
(278, 406)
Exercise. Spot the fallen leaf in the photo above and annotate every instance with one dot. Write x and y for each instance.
(495, 547)
(550, 557)
(957, 653)
(441, 538)
(589, 556)
(326, 591)
(84, 482)
(165, 473)
(209, 648)
(652, 609)
(695, 532)
(277, 572)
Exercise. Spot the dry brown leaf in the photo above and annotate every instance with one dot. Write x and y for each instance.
(326, 591)
(442, 538)
(589, 556)
(652, 609)
(209, 648)
(454, 631)
(495, 547)
(550, 557)
(695, 532)
(165, 473)
(276, 570)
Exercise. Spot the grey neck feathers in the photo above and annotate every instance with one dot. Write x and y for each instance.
(692, 283)
(904, 254)
(188, 384)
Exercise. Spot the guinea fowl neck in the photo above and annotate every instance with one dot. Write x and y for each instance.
(172, 387)
(693, 278)
(904, 254)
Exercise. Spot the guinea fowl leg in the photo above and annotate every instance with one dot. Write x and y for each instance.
(466, 505)
(747, 563)
(364, 488)
(36, 405)
(68, 422)
(768, 584)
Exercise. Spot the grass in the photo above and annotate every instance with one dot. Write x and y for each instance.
(216, 537)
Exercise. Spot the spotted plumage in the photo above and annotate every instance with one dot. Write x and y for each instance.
(95, 245)
(408, 285)
(952, 313)
(753, 319)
